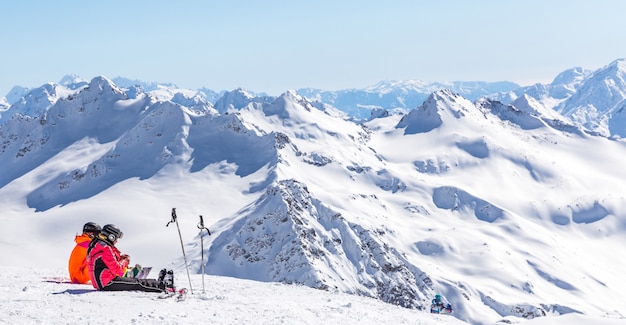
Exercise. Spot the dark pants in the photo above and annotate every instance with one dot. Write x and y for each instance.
(132, 284)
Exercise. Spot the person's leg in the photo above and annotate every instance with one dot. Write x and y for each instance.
(132, 284)
(152, 283)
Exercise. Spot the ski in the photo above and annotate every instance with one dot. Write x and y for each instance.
(179, 295)
(58, 280)
(166, 295)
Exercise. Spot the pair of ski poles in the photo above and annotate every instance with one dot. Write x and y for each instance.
(201, 227)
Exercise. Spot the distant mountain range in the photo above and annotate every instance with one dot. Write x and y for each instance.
(593, 100)
(399, 95)
(490, 193)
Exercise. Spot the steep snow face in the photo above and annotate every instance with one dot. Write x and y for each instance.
(226, 138)
(98, 111)
(290, 237)
(155, 139)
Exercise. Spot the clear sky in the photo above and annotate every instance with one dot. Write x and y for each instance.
(273, 46)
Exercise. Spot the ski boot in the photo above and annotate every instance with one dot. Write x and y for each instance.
(161, 279)
(169, 281)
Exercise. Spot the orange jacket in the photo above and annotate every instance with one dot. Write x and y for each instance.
(78, 263)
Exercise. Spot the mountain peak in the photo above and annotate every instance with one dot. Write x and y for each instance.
(619, 64)
(238, 99)
(615, 70)
(601, 95)
(103, 83)
(571, 76)
(16, 93)
(286, 104)
(440, 104)
(72, 81)
(37, 101)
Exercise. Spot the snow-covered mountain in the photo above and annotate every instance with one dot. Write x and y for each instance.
(399, 95)
(4, 105)
(510, 210)
(589, 99)
(562, 87)
(239, 98)
(593, 100)
(36, 101)
(599, 102)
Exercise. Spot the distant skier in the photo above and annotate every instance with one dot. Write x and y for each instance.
(107, 266)
(440, 305)
(77, 265)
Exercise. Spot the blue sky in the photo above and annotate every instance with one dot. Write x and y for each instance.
(273, 46)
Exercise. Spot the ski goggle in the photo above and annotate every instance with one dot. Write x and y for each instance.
(112, 237)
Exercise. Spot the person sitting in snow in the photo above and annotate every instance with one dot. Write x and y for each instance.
(107, 266)
(440, 305)
(77, 266)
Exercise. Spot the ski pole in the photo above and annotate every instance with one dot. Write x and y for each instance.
(175, 219)
(202, 227)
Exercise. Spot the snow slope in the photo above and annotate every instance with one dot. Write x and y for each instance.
(40, 296)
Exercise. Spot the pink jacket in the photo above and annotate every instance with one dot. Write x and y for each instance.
(104, 263)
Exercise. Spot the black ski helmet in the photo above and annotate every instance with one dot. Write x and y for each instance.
(111, 232)
(92, 227)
